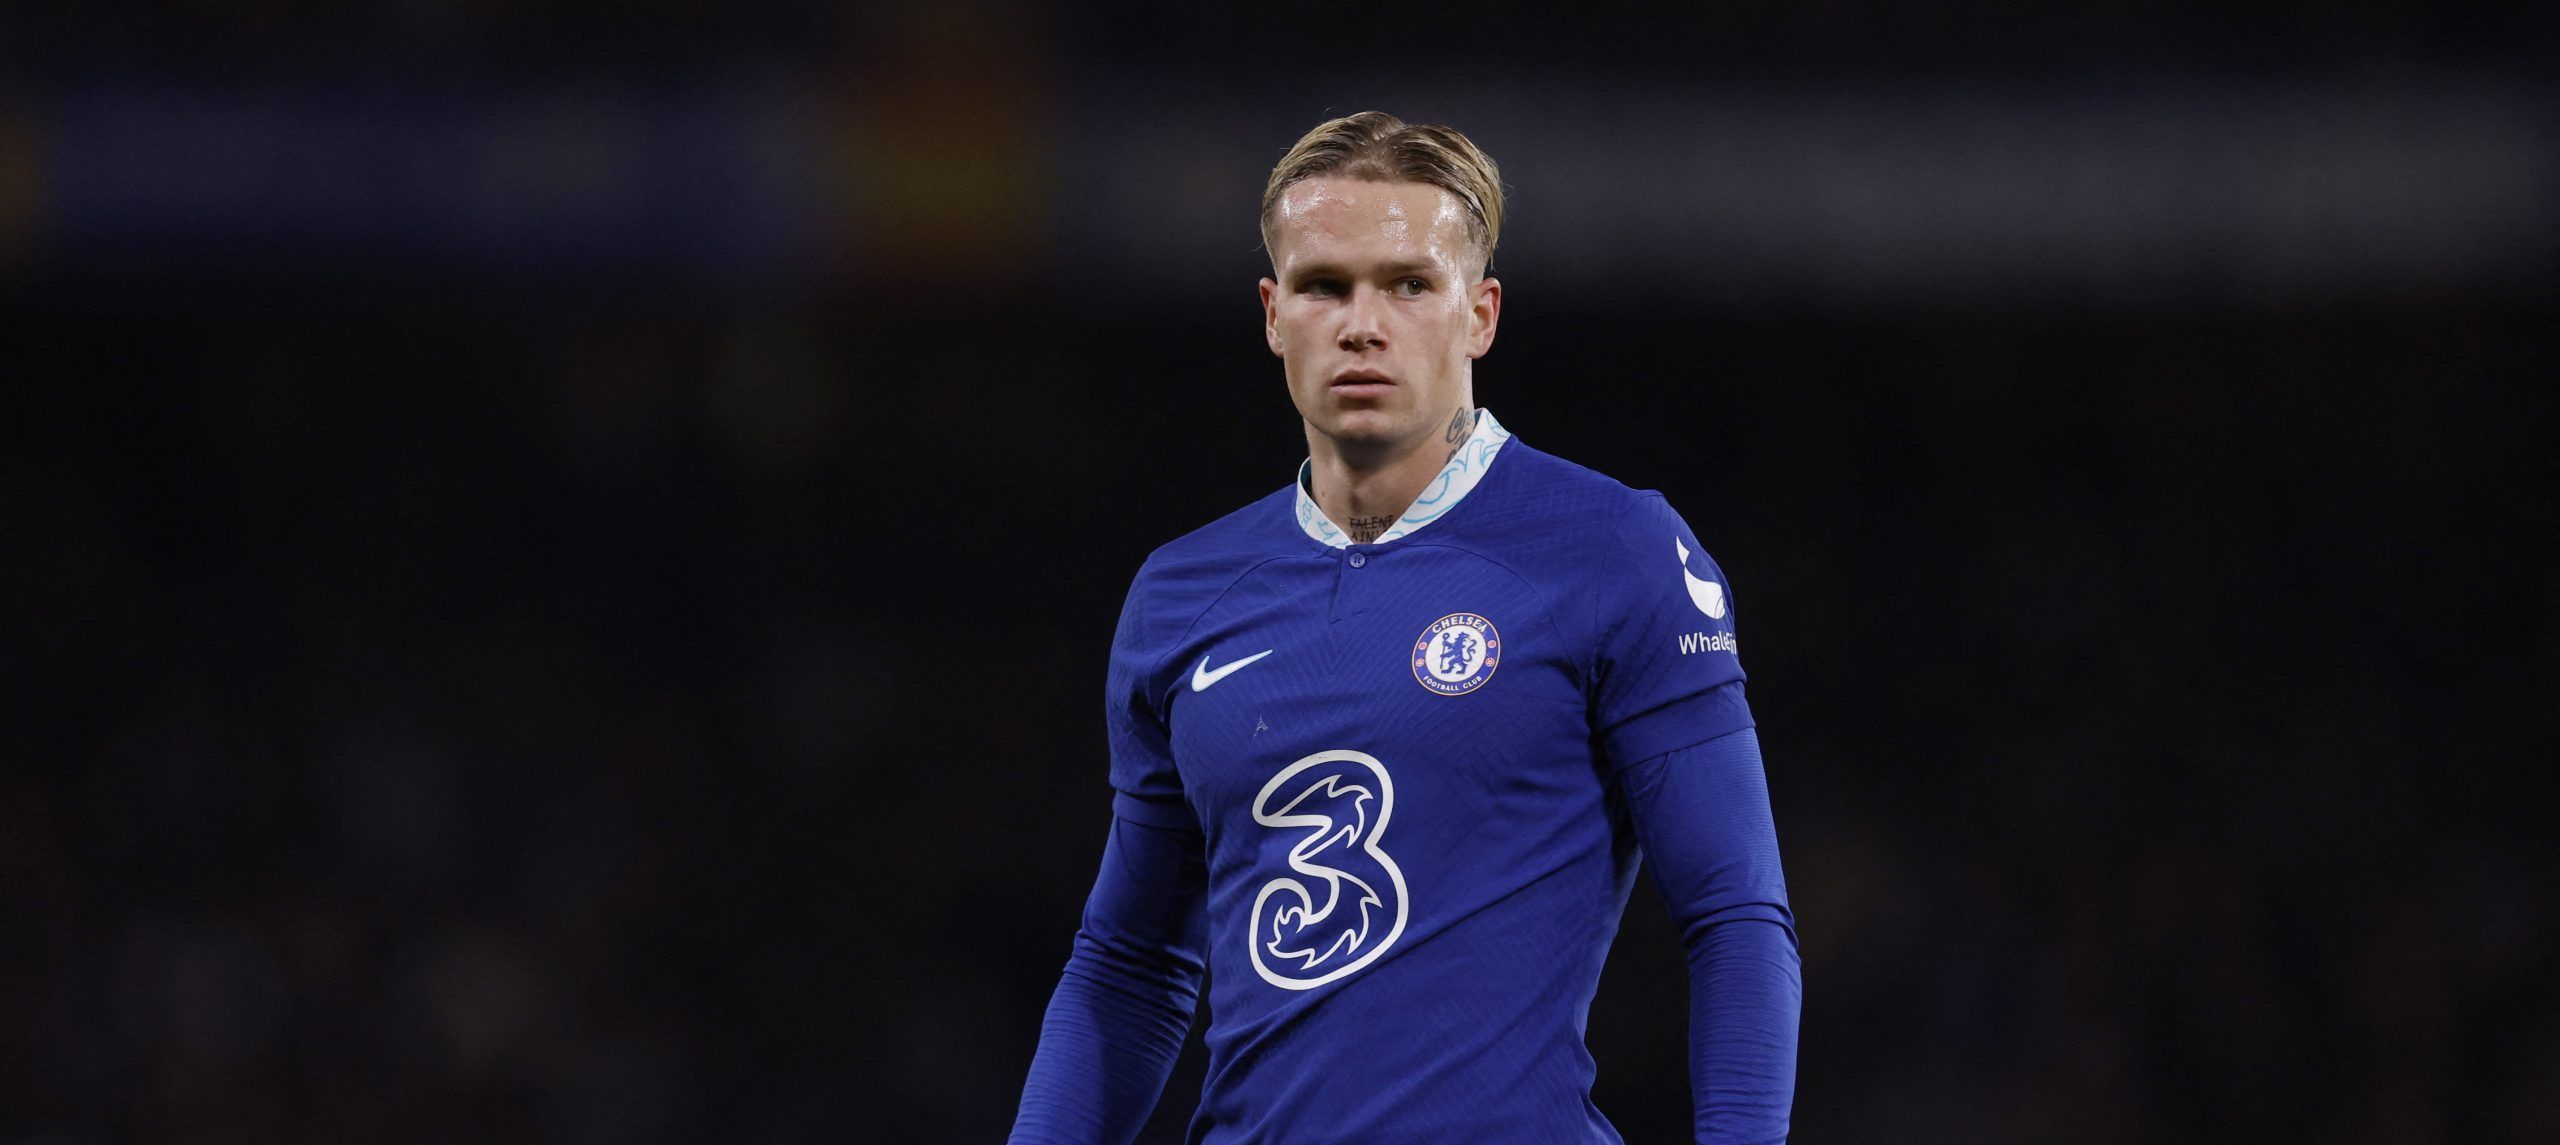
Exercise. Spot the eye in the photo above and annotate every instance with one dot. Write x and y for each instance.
(1321, 287)
(1411, 287)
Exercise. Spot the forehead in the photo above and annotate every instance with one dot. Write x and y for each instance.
(1335, 218)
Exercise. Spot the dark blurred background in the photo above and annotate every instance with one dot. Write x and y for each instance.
(560, 554)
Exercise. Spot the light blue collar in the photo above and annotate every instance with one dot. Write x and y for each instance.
(1466, 467)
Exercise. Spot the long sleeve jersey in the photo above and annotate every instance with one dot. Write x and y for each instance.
(1391, 797)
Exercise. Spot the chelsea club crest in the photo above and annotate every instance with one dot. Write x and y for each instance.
(1457, 654)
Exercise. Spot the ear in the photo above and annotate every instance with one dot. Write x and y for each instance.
(1484, 312)
(1271, 316)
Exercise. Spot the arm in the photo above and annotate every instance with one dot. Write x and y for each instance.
(1126, 998)
(1125, 1001)
(1702, 816)
(1668, 702)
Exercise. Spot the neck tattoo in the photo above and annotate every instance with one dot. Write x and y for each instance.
(1461, 424)
(1366, 529)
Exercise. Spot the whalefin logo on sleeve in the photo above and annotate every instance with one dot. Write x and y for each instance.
(1706, 594)
(1709, 597)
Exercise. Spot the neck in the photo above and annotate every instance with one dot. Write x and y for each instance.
(1365, 493)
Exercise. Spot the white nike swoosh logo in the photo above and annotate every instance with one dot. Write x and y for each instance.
(1706, 594)
(1202, 677)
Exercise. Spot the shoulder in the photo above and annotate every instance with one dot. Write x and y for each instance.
(1640, 587)
(1261, 530)
(1184, 576)
(1545, 502)
(1606, 549)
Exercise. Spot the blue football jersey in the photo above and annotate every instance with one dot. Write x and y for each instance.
(1399, 756)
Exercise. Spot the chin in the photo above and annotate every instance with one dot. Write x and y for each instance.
(1366, 428)
(1364, 421)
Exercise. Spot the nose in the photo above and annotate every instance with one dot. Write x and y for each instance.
(1362, 328)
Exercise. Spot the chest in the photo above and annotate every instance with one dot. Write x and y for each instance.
(1456, 674)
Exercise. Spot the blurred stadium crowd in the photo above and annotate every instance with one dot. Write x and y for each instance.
(608, 654)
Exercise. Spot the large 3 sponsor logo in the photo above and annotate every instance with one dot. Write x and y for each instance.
(1342, 904)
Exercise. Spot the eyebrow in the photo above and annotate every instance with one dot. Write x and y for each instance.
(1390, 270)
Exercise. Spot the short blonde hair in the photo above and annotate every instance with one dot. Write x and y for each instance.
(1380, 148)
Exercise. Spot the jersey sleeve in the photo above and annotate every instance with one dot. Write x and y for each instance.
(1125, 1000)
(1117, 1020)
(1667, 670)
(1701, 815)
(1145, 787)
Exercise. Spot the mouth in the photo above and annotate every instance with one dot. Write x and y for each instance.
(1361, 383)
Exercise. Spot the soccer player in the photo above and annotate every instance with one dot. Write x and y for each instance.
(1387, 744)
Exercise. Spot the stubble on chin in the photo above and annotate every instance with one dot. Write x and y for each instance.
(1364, 430)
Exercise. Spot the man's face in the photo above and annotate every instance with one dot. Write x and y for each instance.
(1376, 312)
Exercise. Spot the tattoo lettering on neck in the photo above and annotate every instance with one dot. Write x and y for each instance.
(1366, 529)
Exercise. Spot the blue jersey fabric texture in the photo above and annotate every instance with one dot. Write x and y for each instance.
(1388, 801)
